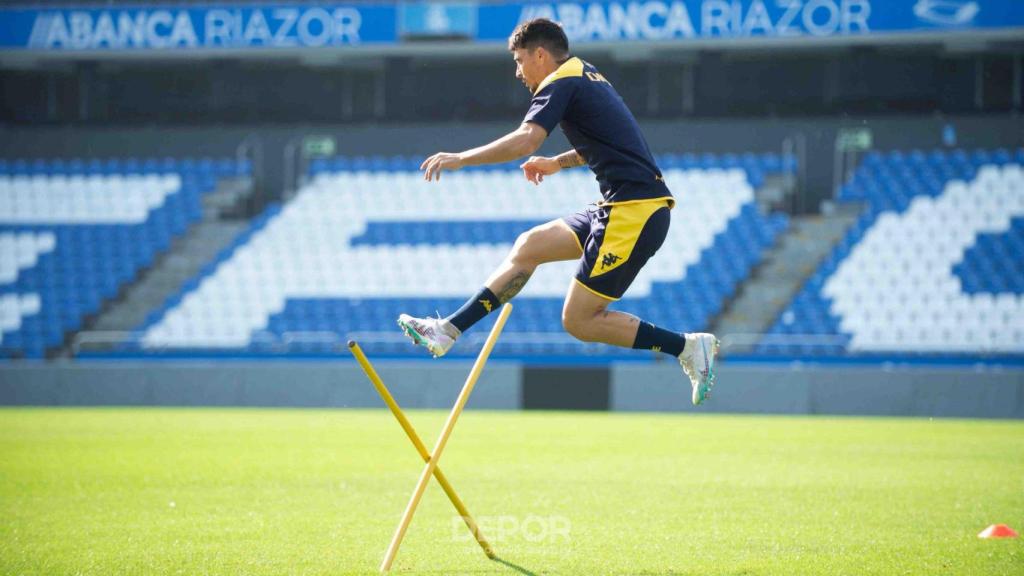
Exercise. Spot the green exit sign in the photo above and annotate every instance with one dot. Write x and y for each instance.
(854, 139)
(318, 146)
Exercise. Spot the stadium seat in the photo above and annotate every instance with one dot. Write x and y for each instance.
(73, 231)
(934, 265)
(365, 239)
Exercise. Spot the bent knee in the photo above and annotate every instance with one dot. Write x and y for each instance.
(579, 326)
(528, 248)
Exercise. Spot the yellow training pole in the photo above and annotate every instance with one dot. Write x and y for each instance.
(449, 425)
(411, 433)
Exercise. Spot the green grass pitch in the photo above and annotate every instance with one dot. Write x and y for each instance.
(239, 491)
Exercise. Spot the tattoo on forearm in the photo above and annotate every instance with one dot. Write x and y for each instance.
(513, 287)
(570, 160)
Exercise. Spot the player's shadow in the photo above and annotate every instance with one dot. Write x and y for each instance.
(515, 567)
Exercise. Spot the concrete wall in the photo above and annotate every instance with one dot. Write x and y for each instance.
(761, 388)
(328, 384)
(780, 389)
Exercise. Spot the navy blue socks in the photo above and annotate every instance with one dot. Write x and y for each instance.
(474, 309)
(650, 337)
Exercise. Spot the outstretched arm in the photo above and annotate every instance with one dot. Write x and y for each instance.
(522, 142)
(537, 167)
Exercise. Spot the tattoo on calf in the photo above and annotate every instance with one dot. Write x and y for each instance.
(632, 320)
(513, 287)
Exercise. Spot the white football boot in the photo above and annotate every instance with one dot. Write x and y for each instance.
(698, 362)
(436, 334)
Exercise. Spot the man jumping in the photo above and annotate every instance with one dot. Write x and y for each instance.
(612, 239)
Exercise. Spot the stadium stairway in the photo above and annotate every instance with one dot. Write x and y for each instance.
(222, 221)
(775, 282)
(74, 232)
(933, 269)
(340, 258)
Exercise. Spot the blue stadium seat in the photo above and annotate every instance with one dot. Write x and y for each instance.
(87, 261)
(890, 183)
(704, 288)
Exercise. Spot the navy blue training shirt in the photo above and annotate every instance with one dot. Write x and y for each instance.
(601, 129)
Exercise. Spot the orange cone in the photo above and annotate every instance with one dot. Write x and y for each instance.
(998, 531)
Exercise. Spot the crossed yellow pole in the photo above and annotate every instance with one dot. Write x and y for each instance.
(432, 458)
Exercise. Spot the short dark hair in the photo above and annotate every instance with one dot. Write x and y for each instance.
(540, 32)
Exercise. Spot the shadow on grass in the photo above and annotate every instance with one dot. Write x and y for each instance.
(515, 567)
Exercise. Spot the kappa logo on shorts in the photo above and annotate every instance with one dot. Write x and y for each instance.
(609, 259)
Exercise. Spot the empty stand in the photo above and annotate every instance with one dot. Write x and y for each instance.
(934, 265)
(366, 239)
(73, 232)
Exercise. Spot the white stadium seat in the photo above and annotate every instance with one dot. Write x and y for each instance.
(896, 291)
(306, 250)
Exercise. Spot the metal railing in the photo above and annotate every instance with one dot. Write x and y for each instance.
(796, 146)
(265, 341)
(251, 148)
(813, 340)
(101, 340)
